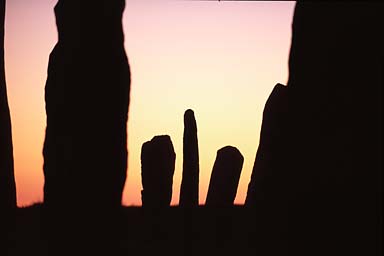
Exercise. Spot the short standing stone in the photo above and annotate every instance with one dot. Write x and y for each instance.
(157, 168)
(225, 177)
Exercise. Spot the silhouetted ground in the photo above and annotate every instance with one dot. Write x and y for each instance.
(139, 237)
(247, 232)
(325, 194)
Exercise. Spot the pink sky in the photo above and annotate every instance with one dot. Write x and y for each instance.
(221, 59)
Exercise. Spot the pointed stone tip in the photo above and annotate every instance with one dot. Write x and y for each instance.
(57, 6)
(279, 87)
(278, 97)
(189, 119)
(189, 114)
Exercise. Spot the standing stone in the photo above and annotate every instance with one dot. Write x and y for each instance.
(324, 178)
(157, 168)
(85, 148)
(225, 177)
(269, 164)
(189, 191)
(87, 98)
(7, 179)
(335, 124)
(335, 105)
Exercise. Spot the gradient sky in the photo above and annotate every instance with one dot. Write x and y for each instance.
(220, 59)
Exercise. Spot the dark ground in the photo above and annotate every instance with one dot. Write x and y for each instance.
(212, 231)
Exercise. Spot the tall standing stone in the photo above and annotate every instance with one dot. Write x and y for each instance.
(87, 99)
(225, 177)
(335, 127)
(189, 191)
(7, 179)
(157, 169)
(269, 164)
(335, 104)
(85, 148)
(325, 180)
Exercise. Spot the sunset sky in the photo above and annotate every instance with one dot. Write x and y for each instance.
(220, 59)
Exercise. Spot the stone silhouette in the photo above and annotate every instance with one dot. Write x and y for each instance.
(269, 158)
(325, 165)
(85, 148)
(225, 177)
(335, 129)
(335, 86)
(189, 191)
(7, 180)
(157, 168)
(87, 99)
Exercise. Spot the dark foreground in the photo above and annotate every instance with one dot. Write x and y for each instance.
(211, 231)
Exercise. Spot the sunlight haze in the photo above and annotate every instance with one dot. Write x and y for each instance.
(220, 59)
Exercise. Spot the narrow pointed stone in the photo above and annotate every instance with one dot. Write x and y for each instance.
(7, 179)
(157, 169)
(189, 191)
(225, 177)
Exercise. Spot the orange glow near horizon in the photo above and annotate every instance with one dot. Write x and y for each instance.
(220, 59)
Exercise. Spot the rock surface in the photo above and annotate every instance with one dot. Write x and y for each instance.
(189, 191)
(85, 148)
(7, 179)
(335, 103)
(225, 177)
(87, 98)
(269, 164)
(157, 169)
(326, 165)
